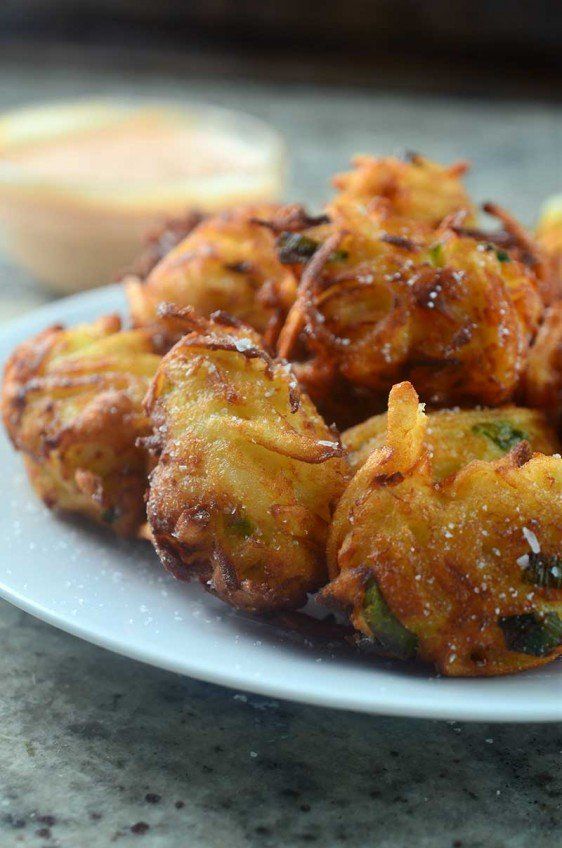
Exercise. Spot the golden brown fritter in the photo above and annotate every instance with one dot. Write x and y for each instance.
(72, 402)
(247, 475)
(512, 241)
(231, 263)
(159, 242)
(549, 237)
(451, 313)
(407, 288)
(542, 386)
(543, 376)
(465, 572)
(228, 262)
(416, 189)
(455, 437)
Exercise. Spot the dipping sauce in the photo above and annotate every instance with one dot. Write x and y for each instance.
(80, 183)
(143, 148)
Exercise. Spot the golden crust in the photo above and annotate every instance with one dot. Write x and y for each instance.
(378, 304)
(228, 262)
(247, 474)
(456, 437)
(159, 241)
(543, 376)
(549, 237)
(72, 403)
(415, 189)
(451, 558)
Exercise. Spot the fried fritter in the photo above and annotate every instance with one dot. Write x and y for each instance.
(228, 262)
(72, 402)
(451, 313)
(466, 572)
(416, 189)
(543, 376)
(159, 242)
(455, 437)
(247, 475)
(549, 237)
(513, 241)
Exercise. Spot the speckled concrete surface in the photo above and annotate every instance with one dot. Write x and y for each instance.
(96, 749)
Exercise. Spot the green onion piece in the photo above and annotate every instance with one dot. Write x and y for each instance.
(339, 255)
(389, 636)
(241, 527)
(436, 255)
(532, 633)
(295, 248)
(503, 256)
(110, 515)
(501, 433)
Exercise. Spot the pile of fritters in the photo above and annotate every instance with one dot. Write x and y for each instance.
(241, 423)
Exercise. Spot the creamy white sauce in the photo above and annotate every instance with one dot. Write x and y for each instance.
(134, 150)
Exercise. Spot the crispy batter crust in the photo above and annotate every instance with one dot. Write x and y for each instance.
(448, 557)
(456, 437)
(549, 238)
(543, 376)
(454, 315)
(228, 262)
(160, 241)
(247, 473)
(72, 403)
(416, 188)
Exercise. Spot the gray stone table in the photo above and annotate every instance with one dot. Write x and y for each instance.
(97, 749)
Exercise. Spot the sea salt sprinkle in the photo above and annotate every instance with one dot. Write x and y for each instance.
(533, 543)
(532, 540)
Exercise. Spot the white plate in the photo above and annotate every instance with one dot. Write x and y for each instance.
(115, 594)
